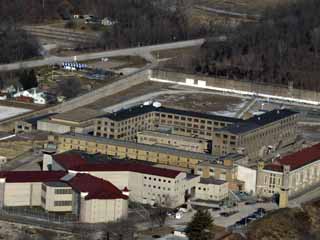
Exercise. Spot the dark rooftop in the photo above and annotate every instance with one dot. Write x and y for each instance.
(258, 121)
(211, 180)
(96, 188)
(34, 120)
(32, 176)
(56, 184)
(84, 162)
(141, 109)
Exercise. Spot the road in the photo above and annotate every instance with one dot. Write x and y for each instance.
(141, 51)
(228, 13)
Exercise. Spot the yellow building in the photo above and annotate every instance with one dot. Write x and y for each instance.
(131, 150)
(125, 124)
(191, 144)
(257, 136)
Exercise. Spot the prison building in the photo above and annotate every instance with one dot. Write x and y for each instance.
(80, 120)
(90, 199)
(294, 173)
(131, 150)
(146, 184)
(257, 136)
(126, 123)
(30, 124)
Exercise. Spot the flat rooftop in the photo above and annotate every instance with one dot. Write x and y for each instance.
(141, 109)
(258, 121)
(211, 180)
(77, 115)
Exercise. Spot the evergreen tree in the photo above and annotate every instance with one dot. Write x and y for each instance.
(201, 226)
(28, 79)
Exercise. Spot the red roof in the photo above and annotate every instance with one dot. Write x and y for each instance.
(32, 176)
(69, 160)
(297, 159)
(96, 188)
(73, 161)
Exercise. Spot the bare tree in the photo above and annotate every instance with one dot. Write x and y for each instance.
(159, 214)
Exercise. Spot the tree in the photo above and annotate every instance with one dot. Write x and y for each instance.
(70, 87)
(201, 226)
(28, 79)
(159, 214)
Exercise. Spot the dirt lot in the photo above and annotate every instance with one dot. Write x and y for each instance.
(200, 102)
(119, 62)
(136, 91)
(15, 231)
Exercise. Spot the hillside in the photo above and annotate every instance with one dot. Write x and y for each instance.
(288, 224)
(283, 47)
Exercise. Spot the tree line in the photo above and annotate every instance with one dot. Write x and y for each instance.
(283, 47)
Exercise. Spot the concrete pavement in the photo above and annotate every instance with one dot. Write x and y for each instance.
(140, 51)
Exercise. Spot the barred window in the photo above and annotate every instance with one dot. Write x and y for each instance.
(63, 191)
(62, 203)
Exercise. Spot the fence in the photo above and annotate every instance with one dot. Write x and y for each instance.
(39, 214)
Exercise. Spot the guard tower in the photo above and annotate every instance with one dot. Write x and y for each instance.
(284, 191)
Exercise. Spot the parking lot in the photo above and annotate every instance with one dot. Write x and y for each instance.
(231, 215)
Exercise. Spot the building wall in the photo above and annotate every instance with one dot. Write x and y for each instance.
(56, 199)
(191, 144)
(96, 211)
(270, 182)
(218, 171)
(149, 189)
(249, 177)
(49, 126)
(66, 144)
(255, 143)
(127, 129)
(211, 192)
(22, 194)
(22, 126)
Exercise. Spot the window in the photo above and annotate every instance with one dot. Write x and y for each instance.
(62, 203)
(44, 188)
(63, 191)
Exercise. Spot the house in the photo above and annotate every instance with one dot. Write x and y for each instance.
(37, 96)
(107, 22)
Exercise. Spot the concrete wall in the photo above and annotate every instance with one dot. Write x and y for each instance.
(22, 194)
(280, 90)
(249, 177)
(49, 126)
(212, 192)
(96, 210)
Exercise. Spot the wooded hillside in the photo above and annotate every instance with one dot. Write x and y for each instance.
(283, 47)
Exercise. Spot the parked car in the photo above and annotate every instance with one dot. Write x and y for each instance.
(228, 214)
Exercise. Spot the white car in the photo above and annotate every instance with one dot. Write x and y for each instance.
(184, 210)
(179, 215)
(104, 59)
